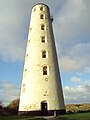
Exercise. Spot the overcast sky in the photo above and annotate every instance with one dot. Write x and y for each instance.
(71, 27)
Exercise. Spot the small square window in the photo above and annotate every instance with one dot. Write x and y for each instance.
(26, 55)
(34, 9)
(25, 70)
(23, 88)
(28, 41)
(30, 28)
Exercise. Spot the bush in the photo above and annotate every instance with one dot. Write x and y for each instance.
(13, 106)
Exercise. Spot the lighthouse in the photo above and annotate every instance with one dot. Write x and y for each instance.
(41, 90)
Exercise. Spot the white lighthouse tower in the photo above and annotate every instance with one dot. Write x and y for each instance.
(41, 91)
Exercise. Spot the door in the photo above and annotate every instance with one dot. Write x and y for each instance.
(44, 108)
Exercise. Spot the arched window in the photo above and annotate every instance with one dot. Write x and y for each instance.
(43, 39)
(41, 16)
(45, 70)
(44, 54)
(41, 8)
(42, 27)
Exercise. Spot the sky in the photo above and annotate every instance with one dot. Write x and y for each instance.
(71, 28)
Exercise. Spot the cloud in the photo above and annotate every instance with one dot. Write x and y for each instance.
(71, 21)
(71, 28)
(87, 69)
(68, 63)
(8, 92)
(72, 32)
(79, 80)
(13, 26)
(79, 94)
(76, 58)
(75, 79)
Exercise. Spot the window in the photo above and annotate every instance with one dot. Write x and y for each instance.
(26, 56)
(42, 27)
(45, 70)
(25, 70)
(41, 16)
(30, 28)
(44, 54)
(34, 9)
(28, 41)
(46, 79)
(23, 88)
(43, 39)
(41, 8)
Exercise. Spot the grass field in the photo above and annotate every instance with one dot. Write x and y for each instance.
(75, 116)
(19, 118)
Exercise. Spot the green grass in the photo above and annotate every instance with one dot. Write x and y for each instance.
(19, 118)
(75, 116)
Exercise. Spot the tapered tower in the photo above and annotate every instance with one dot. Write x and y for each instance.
(41, 91)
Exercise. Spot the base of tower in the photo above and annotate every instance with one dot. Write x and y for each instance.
(41, 113)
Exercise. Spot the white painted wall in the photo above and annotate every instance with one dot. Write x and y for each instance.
(35, 88)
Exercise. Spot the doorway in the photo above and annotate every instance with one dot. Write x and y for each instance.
(44, 108)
